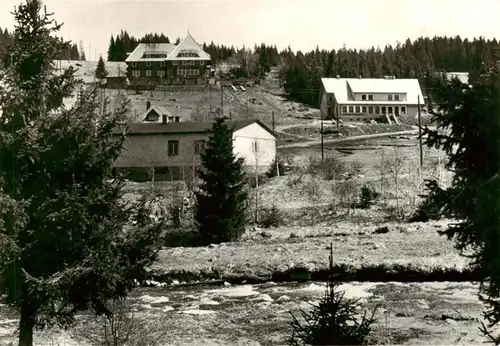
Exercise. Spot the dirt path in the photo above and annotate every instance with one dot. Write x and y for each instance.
(347, 139)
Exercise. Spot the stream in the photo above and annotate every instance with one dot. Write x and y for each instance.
(408, 313)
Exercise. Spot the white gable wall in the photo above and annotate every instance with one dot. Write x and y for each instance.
(243, 146)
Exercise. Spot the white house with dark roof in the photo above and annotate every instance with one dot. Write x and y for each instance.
(167, 63)
(363, 99)
(179, 144)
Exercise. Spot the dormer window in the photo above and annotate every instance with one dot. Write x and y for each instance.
(370, 97)
(396, 97)
(389, 97)
(363, 97)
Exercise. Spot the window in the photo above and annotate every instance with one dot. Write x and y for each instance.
(357, 109)
(162, 63)
(383, 110)
(370, 97)
(351, 109)
(363, 97)
(389, 97)
(377, 110)
(199, 146)
(136, 73)
(396, 110)
(170, 119)
(202, 63)
(174, 63)
(344, 109)
(364, 109)
(148, 73)
(396, 97)
(173, 148)
(403, 110)
(148, 63)
(389, 110)
(134, 64)
(255, 146)
(160, 73)
(152, 116)
(370, 110)
(177, 119)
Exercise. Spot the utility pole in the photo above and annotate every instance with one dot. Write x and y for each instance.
(322, 144)
(337, 111)
(210, 100)
(275, 152)
(420, 133)
(222, 100)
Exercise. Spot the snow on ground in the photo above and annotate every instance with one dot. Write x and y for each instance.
(409, 313)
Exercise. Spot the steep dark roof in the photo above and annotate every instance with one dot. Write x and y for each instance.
(184, 127)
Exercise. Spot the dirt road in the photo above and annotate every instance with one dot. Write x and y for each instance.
(305, 144)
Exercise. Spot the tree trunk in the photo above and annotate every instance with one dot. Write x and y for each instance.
(27, 324)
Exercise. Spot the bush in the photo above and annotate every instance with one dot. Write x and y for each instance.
(180, 238)
(367, 197)
(427, 210)
(122, 328)
(330, 168)
(261, 178)
(270, 217)
(271, 172)
(431, 206)
(334, 321)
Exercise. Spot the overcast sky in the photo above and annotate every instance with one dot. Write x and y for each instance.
(302, 24)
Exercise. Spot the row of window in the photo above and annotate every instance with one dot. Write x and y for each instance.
(369, 97)
(188, 72)
(173, 147)
(186, 63)
(374, 109)
(161, 73)
(174, 63)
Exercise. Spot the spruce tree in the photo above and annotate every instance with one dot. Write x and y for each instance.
(100, 71)
(221, 201)
(68, 240)
(468, 130)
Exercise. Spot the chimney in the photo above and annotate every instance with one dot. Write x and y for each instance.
(163, 118)
(148, 105)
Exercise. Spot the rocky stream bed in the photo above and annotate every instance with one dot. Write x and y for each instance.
(409, 313)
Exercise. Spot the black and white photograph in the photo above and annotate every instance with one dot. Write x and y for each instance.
(249, 172)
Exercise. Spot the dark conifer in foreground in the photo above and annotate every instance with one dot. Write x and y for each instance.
(222, 200)
(68, 242)
(469, 131)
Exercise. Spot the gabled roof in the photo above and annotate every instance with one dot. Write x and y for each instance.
(342, 88)
(185, 127)
(150, 48)
(188, 45)
(160, 110)
(170, 50)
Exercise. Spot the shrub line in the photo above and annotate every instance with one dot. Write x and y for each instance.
(343, 273)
